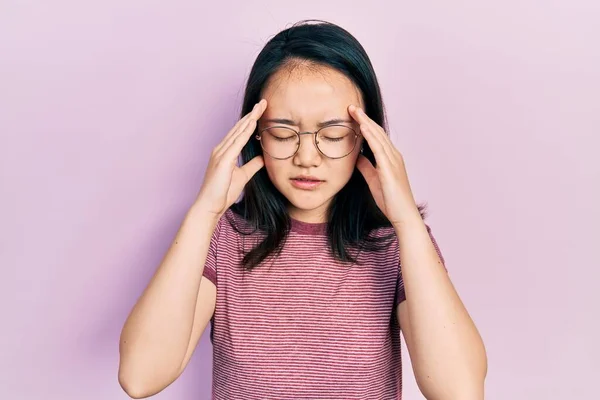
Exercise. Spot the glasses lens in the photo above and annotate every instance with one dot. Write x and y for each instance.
(279, 142)
(336, 141)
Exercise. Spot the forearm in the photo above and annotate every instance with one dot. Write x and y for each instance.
(156, 334)
(447, 351)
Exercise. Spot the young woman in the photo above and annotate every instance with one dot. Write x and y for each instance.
(310, 278)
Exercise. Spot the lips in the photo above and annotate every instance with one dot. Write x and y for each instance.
(306, 182)
(305, 178)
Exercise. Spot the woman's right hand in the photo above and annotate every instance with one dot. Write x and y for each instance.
(223, 179)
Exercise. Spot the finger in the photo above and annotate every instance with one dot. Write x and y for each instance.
(239, 126)
(252, 167)
(375, 141)
(383, 135)
(239, 140)
(369, 173)
(366, 168)
(364, 118)
(234, 129)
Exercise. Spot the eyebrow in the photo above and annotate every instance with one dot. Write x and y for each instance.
(320, 124)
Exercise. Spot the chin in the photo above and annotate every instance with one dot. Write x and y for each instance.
(307, 204)
(306, 200)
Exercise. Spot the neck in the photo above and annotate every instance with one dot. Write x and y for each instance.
(309, 216)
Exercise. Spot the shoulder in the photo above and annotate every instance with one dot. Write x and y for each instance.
(232, 225)
(382, 243)
(233, 219)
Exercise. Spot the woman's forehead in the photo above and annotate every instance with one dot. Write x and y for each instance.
(309, 95)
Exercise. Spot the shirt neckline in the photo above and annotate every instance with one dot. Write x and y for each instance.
(308, 228)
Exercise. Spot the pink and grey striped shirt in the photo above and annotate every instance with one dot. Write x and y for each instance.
(303, 325)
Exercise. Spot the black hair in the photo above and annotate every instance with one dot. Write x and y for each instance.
(353, 213)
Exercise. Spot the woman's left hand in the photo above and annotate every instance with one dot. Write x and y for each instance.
(387, 181)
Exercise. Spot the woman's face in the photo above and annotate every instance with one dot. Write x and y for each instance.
(307, 97)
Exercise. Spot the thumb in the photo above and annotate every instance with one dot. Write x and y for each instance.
(252, 167)
(366, 169)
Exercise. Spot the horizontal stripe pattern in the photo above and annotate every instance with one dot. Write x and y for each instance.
(303, 325)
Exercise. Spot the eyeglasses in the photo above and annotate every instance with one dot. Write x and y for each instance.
(333, 141)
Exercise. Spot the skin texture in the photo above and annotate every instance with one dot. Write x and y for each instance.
(309, 96)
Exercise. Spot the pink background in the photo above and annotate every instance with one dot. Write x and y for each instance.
(108, 111)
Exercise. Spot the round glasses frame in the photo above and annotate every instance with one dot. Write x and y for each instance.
(316, 143)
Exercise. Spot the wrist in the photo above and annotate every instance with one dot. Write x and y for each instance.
(410, 220)
(199, 211)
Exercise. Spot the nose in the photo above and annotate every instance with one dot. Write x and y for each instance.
(308, 155)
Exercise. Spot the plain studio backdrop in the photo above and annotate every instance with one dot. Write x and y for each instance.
(109, 110)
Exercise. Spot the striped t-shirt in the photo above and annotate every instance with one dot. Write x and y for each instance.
(303, 325)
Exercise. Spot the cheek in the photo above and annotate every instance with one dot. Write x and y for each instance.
(343, 171)
(276, 170)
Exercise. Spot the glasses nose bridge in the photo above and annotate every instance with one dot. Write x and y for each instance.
(314, 142)
(313, 134)
(307, 133)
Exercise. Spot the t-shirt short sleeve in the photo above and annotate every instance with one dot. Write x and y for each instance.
(210, 266)
(400, 293)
